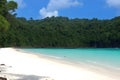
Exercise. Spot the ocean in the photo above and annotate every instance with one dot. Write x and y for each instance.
(106, 57)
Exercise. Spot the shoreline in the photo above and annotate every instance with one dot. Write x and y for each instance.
(99, 69)
(34, 64)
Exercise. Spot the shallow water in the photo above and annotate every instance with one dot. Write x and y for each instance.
(106, 57)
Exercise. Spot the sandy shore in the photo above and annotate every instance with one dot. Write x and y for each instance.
(24, 66)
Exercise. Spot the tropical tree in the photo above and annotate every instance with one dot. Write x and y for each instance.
(7, 10)
(4, 24)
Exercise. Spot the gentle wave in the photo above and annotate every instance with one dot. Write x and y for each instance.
(103, 65)
(104, 57)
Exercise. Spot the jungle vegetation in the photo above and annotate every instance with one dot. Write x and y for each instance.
(56, 32)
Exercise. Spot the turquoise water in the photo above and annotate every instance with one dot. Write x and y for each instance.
(108, 57)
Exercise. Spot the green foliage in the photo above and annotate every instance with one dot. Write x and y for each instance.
(11, 6)
(56, 31)
(62, 32)
(6, 14)
(4, 24)
(3, 9)
(7, 8)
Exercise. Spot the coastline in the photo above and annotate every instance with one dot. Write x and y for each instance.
(96, 68)
(32, 64)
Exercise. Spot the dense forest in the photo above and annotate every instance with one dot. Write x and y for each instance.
(57, 32)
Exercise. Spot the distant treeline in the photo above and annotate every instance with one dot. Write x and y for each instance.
(62, 32)
(57, 32)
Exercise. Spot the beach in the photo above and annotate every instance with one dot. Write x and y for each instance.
(24, 66)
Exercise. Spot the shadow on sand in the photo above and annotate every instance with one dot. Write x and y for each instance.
(29, 77)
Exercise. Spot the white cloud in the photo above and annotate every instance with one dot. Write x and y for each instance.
(114, 3)
(44, 13)
(21, 3)
(55, 5)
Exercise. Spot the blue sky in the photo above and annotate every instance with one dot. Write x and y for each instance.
(38, 9)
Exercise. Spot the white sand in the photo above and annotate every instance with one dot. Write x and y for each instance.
(29, 64)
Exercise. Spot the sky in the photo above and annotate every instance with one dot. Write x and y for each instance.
(40, 9)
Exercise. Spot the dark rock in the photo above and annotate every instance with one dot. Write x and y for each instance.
(2, 78)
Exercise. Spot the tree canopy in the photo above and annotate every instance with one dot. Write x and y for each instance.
(55, 32)
(4, 24)
(62, 32)
(6, 11)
